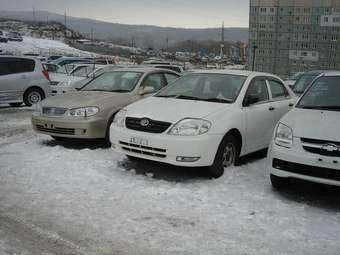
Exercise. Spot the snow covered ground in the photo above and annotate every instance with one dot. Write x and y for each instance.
(84, 199)
(41, 46)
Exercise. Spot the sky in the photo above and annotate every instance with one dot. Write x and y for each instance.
(172, 13)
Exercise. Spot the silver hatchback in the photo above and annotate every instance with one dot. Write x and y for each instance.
(23, 79)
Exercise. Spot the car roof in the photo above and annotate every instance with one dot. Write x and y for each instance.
(25, 57)
(317, 72)
(144, 69)
(332, 73)
(234, 72)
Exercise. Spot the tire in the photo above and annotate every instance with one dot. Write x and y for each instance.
(33, 96)
(60, 139)
(227, 155)
(15, 104)
(133, 159)
(279, 183)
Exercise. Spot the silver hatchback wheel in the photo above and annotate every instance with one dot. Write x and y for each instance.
(229, 155)
(34, 97)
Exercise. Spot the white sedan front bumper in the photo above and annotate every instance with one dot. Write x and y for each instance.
(166, 148)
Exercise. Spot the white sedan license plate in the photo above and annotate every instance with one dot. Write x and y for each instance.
(139, 141)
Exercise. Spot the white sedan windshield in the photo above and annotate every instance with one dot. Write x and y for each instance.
(221, 88)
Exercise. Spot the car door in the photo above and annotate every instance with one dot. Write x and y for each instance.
(281, 99)
(259, 115)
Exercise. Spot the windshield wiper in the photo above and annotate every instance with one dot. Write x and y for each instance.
(188, 97)
(166, 96)
(95, 90)
(217, 100)
(330, 107)
(119, 90)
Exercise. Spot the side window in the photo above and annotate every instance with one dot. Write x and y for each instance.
(170, 77)
(155, 81)
(278, 89)
(4, 68)
(16, 65)
(257, 92)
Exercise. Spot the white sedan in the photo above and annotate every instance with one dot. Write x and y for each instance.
(204, 119)
(306, 143)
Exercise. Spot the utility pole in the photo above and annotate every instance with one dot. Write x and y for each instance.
(34, 20)
(167, 44)
(65, 25)
(92, 32)
(254, 57)
(222, 41)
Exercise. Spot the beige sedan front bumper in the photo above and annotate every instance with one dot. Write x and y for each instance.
(87, 128)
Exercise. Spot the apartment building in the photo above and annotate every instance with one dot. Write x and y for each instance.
(289, 36)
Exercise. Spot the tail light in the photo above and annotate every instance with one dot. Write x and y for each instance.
(45, 73)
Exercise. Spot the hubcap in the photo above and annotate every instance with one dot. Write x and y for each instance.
(34, 97)
(229, 155)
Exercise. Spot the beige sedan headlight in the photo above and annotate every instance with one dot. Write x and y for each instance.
(83, 112)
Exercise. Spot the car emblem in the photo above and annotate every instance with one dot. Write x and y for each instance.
(144, 122)
(331, 147)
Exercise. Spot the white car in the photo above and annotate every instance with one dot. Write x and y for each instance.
(306, 142)
(204, 119)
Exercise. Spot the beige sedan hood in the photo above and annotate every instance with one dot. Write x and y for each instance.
(87, 98)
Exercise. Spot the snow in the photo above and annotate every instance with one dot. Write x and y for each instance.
(99, 202)
(41, 46)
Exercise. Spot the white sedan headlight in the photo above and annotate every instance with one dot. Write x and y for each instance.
(284, 136)
(83, 112)
(119, 119)
(190, 127)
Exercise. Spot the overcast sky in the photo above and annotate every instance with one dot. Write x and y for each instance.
(174, 13)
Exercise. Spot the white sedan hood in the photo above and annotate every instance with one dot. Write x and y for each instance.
(314, 124)
(172, 110)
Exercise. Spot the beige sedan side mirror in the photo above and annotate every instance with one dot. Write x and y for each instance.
(147, 90)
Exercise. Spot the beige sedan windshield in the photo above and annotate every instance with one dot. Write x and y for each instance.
(114, 82)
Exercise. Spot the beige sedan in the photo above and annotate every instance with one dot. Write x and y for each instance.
(89, 112)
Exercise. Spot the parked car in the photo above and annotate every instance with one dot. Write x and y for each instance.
(204, 119)
(306, 143)
(176, 68)
(3, 37)
(75, 70)
(88, 113)
(69, 60)
(292, 79)
(305, 80)
(23, 79)
(74, 83)
(14, 37)
(53, 57)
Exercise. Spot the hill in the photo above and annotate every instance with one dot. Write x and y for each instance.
(143, 35)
